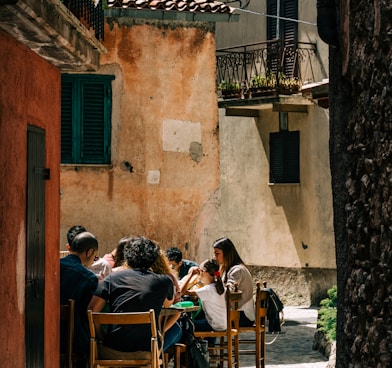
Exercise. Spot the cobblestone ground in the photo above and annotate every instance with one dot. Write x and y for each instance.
(292, 348)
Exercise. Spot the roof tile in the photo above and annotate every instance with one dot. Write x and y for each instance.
(204, 6)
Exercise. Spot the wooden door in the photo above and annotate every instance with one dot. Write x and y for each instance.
(35, 248)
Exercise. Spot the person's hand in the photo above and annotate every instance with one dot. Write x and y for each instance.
(195, 270)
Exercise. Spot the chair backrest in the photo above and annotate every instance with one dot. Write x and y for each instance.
(67, 315)
(122, 359)
(232, 308)
(261, 306)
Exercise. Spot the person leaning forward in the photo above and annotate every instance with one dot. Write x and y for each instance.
(135, 289)
(79, 283)
(177, 263)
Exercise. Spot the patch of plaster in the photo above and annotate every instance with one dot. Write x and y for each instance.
(153, 176)
(20, 267)
(196, 151)
(178, 135)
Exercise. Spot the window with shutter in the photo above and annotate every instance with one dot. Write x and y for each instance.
(86, 118)
(288, 33)
(284, 157)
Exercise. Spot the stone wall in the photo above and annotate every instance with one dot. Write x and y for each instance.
(296, 286)
(361, 109)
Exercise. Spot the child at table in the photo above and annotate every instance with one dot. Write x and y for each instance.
(211, 294)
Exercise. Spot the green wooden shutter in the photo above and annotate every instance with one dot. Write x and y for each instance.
(271, 22)
(284, 157)
(66, 122)
(288, 33)
(290, 36)
(86, 119)
(292, 157)
(94, 129)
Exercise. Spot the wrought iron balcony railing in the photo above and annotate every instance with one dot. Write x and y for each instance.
(264, 68)
(90, 13)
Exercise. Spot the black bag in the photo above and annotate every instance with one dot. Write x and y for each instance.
(275, 306)
(197, 349)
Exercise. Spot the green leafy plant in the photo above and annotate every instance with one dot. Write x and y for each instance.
(229, 88)
(263, 82)
(327, 314)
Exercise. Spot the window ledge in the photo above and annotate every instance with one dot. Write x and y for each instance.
(76, 167)
(272, 184)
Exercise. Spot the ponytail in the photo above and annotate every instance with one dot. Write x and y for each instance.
(220, 289)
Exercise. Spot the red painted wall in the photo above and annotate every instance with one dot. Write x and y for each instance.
(29, 94)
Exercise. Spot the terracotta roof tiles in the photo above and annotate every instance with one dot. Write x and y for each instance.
(204, 6)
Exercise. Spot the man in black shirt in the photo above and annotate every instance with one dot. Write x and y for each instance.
(135, 289)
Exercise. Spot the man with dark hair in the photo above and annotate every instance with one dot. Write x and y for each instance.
(73, 231)
(135, 289)
(179, 265)
(100, 266)
(79, 283)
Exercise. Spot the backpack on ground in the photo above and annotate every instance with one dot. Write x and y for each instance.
(274, 312)
(197, 349)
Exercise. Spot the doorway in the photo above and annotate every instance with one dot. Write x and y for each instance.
(35, 248)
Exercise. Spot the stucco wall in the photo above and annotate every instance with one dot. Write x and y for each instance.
(29, 94)
(165, 120)
(273, 224)
(284, 226)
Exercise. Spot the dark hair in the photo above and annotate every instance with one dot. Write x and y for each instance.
(120, 257)
(174, 254)
(83, 242)
(211, 266)
(230, 254)
(140, 252)
(73, 231)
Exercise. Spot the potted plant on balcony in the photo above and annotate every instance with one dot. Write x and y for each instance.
(262, 85)
(230, 90)
(289, 85)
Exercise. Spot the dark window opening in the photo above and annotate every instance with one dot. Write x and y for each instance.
(284, 157)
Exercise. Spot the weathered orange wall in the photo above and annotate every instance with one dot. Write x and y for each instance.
(29, 94)
(164, 71)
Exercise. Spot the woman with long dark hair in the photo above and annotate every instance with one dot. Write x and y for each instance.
(234, 272)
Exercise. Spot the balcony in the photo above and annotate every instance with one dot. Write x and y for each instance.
(66, 33)
(264, 72)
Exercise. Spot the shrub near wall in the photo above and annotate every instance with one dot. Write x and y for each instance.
(326, 323)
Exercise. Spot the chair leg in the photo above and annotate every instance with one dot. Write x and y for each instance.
(177, 357)
(236, 351)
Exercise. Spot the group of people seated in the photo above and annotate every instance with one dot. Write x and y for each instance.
(137, 276)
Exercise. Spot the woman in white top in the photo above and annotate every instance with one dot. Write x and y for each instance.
(211, 294)
(234, 271)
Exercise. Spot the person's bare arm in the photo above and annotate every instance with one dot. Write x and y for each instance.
(96, 305)
(168, 302)
(189, 280)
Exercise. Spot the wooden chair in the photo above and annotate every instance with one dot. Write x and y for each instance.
(107, 357)
(228, 346)
(67, 315)
(176, 351)
(259, 329)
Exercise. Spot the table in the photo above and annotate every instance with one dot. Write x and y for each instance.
(173, 310)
